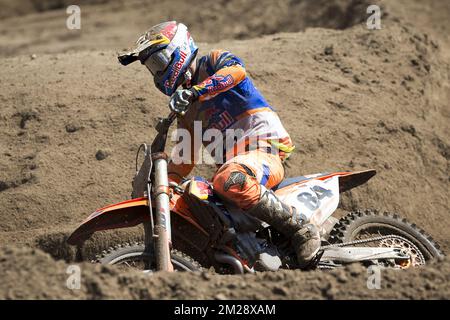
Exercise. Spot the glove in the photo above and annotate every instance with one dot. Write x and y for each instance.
(181, 99)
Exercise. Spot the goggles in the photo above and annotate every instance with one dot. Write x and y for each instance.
(158, 62)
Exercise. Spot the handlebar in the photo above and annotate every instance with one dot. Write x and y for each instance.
(172, 116)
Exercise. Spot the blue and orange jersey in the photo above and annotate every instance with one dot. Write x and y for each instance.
(228, 99)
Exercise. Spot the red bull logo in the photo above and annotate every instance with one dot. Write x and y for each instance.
(176, 69)
(225, 121)
(218, 82)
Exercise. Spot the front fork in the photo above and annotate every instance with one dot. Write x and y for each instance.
(162, 228)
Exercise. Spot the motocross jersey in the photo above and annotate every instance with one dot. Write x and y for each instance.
(228, 99)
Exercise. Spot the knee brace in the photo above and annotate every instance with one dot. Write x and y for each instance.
(237, 183)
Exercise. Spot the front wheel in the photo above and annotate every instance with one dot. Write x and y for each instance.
(135, 257)
(367, 224)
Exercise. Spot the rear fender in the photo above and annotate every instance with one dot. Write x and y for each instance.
(354, 179)
(126, 214)
(347, 180)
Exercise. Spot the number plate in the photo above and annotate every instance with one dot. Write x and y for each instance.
(315, 199)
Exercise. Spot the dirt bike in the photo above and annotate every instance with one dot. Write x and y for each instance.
(187, 227)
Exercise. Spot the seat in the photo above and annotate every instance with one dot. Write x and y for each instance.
(288, 181)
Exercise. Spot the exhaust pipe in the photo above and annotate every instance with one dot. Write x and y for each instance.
(230, 260)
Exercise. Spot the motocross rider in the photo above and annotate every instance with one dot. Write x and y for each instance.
(216, 90)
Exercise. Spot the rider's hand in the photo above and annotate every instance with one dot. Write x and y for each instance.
(180, 100)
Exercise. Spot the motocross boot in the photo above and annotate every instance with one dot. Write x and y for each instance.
(305, 237)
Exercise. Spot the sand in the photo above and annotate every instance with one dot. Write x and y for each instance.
(350, 97)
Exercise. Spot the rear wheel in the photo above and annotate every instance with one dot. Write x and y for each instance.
(361, 225)
(136, 257)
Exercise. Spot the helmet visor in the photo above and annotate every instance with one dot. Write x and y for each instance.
(157, 62)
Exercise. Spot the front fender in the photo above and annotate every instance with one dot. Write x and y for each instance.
(124, 215)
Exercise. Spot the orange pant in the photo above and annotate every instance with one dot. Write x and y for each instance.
(239, 180)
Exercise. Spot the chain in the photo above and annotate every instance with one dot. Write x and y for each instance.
(344, 244)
